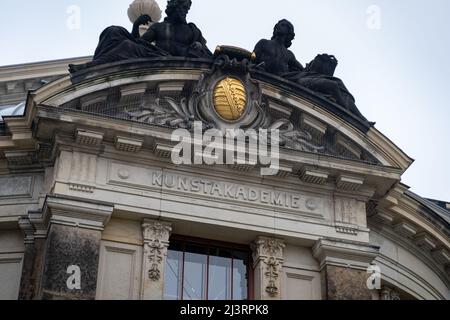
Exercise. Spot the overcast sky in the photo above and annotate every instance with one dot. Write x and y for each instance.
(394, 56)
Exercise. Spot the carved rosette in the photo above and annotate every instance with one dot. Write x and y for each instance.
(268, 259)
(156, 242)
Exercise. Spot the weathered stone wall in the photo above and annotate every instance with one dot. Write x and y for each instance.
(32, 269)
(339, 283)
(68, 246)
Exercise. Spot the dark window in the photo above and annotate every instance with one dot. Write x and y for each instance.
(203, 270)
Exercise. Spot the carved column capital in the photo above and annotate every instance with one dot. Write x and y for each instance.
(156, 242)
(156, 230)
(268, 260)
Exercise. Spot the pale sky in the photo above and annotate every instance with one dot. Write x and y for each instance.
(397, 66)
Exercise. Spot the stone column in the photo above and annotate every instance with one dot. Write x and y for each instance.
(343, 268)
(71, 259)
(268, 261)
(156, 242)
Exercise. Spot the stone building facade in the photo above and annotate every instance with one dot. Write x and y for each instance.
(92, 207)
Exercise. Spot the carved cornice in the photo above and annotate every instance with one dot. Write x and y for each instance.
(76, 213)
(401, 213)
(344, 253)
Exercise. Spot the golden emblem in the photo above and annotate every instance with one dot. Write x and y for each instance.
(230, 98)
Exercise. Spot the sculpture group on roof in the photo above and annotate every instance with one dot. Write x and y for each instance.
(175, 37)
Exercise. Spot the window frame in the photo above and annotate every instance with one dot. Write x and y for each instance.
(207, 244)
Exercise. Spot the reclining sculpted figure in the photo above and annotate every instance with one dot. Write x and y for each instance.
(273, 55)
(318, 76)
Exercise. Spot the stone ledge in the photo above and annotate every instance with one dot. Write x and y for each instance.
(355, 255)
(315, 176)
(77, 213)
(90, 138)
(129, 145)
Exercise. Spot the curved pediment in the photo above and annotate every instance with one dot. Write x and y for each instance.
(173, 92)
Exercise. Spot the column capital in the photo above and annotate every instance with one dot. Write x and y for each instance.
(264, 247)
(156, 230)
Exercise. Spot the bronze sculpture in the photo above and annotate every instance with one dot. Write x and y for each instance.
(177, 37)
(318, 76)
(274, 55)
(173, 37)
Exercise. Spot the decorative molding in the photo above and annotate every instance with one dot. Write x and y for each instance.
(350, 214)
(342, 253)
(349, 183)
(170, 87)
(90, 138)
(242, 165)
(383, 217)
(129, 145)
(41, 222)
(279, 108)
(156, 241)
(81, 188)
(93, 99)
(314, 176)
(442, 256)
(83, 172)
(27, 227)
(425, 241)
(312, 123)
(268, 256)
(163, 150)
(347, 229)
(20, 158)
(343, 142)
(405, 229)
(134, 89)
(284, 170)
(77, 213)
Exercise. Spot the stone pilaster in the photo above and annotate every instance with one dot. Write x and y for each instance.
(156, 242)
(344, 268)
(33, 250)
(268, 261)
(71, 258)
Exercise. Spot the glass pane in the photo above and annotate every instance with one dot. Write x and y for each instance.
(172, 284)
(240, 284)
(194, 284)
(219, 284)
